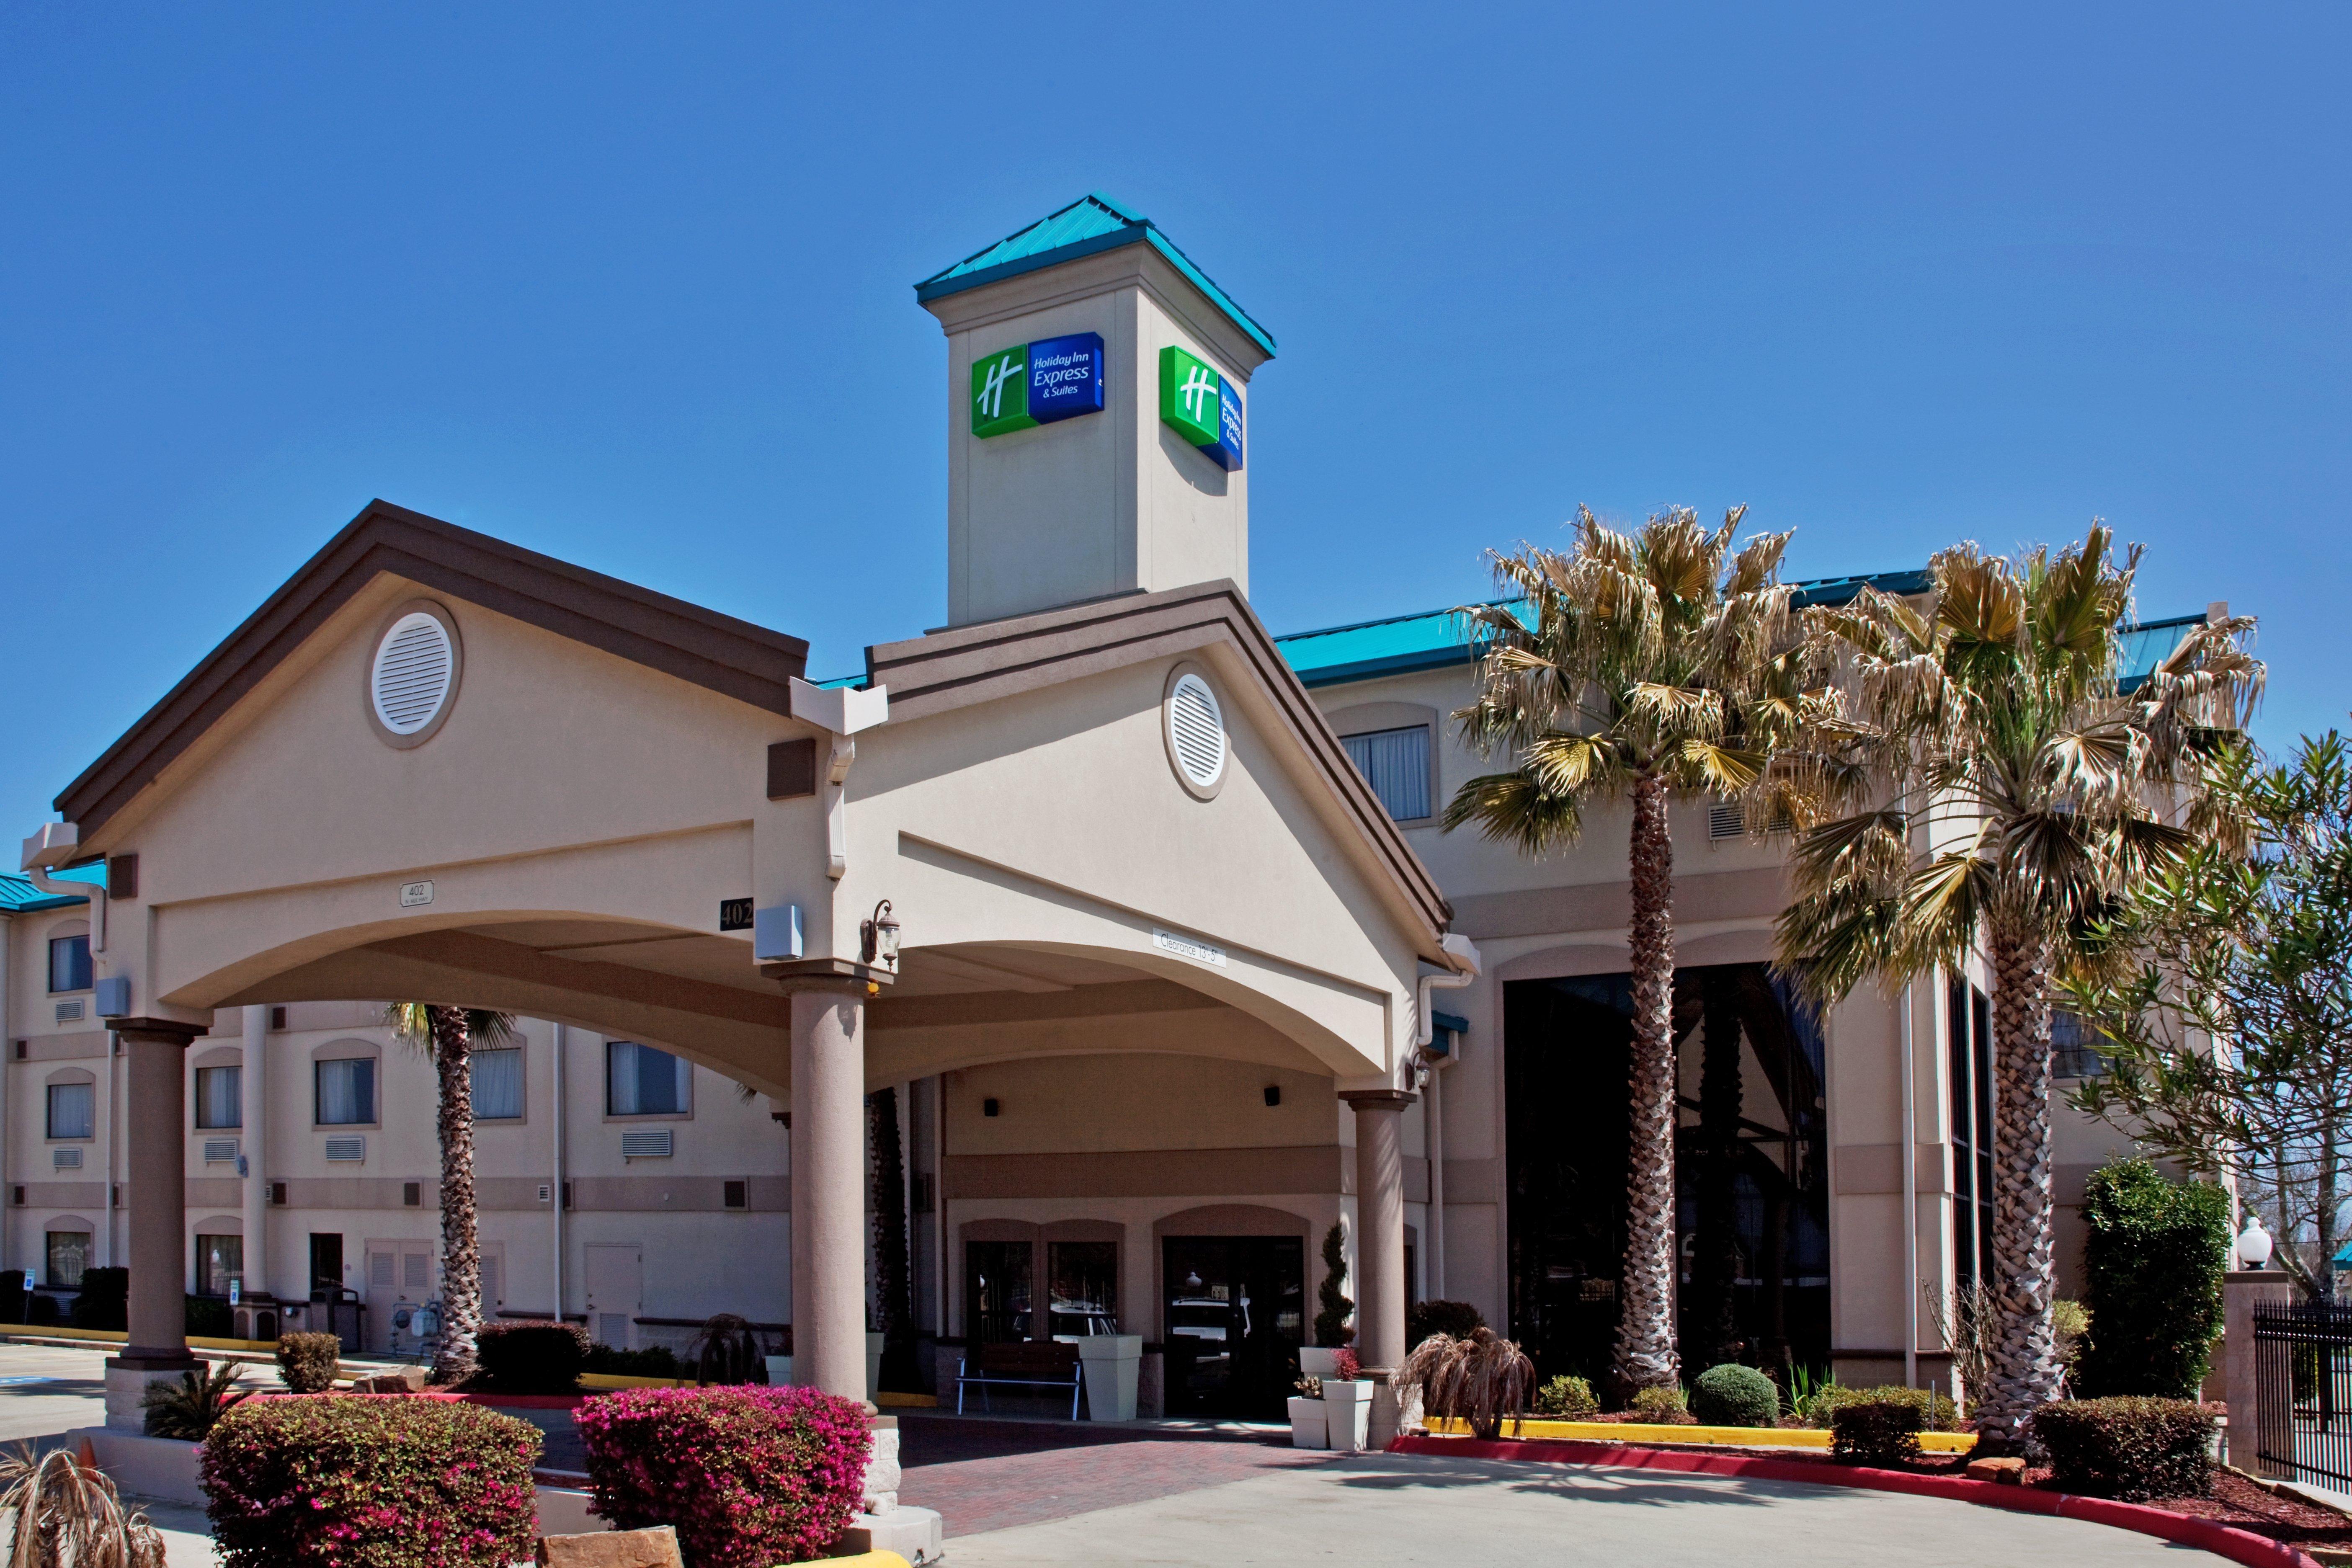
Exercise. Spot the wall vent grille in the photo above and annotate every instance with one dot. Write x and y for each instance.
(347, 1147)
(1196, 730)
(647, 1143)
(413, 668)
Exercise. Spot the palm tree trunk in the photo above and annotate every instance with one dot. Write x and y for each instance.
(461, 1251)
(2022, 1372)
(1645, 1328)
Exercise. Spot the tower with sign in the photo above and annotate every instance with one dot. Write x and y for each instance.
(1098, 421)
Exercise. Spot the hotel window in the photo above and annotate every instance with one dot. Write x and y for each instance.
(1969, 1026)
(642, 1082)
(217, 1257)
(68, 1256)
(69, 963)
(344, 1091)
(219, 1096)
(498, 1085)
(73, 1110)
(2074, 1048)
(1395, 762)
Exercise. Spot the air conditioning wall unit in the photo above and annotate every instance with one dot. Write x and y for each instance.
(350, 1148)
(65, 1158)
(647, 1143)
(220, 1150)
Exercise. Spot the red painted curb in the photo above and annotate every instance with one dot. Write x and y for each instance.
(2238, 1545)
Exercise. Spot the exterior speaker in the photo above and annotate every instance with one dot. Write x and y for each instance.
(114, 997)
(776, 934)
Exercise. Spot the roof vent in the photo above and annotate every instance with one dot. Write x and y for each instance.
(1196, 733)
(416, 670)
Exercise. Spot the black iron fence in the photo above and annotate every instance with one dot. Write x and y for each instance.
(2303, 1393)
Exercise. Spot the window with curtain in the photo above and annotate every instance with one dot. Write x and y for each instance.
(1395, 762)
(498, 1085)
(73, 1111)
(1969, 1035)
(69, 963)
(68, 1256)
(217, 1257)
(2073, 1046)
(219, 1096)
(345, 1090)
(642, 1082)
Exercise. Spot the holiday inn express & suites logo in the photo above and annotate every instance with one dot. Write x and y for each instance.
(1028, 385)
(1201, 405)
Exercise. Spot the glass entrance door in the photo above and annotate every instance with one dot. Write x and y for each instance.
(1235, 1318)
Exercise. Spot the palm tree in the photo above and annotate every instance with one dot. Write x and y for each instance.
(1659, 664)
(450, 1036)
(1976, 774)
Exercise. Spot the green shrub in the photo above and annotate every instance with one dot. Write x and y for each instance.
(531, 1357)
(366, 1481)
(2155, 1257)
(309, 1362)
(654, 1361)
(1570, 1398)
(1735, 1395)
(105, 1299)
(1332, 1304)
(1661, 1404)
(1937, 1411)
(2127, 1447)
(1455, 1319)
(190, 1408)
(1880, 1431)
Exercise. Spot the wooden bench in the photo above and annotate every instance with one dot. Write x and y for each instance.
(1021, 1363)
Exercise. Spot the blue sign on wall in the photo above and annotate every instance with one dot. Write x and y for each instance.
(1226, 453)
(1065, 377)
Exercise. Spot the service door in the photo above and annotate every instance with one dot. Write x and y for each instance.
(616, 1287)
(400, 1276)
(494, 1280)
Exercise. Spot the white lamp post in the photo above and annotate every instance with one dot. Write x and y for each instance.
(2254, 1245)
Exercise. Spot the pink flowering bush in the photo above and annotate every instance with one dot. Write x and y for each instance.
(370, 1482)
(1345, 1367)
(751, 1476)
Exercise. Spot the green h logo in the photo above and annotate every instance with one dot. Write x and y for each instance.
(999, 392)
(1189, 396)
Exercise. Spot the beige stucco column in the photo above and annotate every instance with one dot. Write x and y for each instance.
(1380, 1224)
(156, 1195)
(828, 1215)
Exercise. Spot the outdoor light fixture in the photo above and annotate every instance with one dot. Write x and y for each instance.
(2253, 1244)
(879, 934)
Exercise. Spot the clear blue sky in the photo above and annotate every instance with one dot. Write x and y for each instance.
(631, 287)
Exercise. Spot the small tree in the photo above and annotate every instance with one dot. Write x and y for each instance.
(1333, 1305)
(2155, 1256)
(2223, 998)
(450, 1036)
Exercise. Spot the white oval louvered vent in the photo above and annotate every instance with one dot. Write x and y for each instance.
(1196, 730)
(413, 668)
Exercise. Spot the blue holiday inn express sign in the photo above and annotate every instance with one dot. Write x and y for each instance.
(1201, 405)
(1037, 384)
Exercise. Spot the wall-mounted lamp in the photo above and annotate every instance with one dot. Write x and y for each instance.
(878, 944)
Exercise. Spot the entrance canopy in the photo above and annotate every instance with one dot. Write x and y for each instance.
(434, 766)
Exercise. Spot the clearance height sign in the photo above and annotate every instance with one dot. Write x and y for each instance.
(1202, 407)
(1030, 385)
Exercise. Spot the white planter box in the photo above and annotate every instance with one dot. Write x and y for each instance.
(1309, 1430)
(1318, 1361)
(1112, 1363)
(1347, 1414)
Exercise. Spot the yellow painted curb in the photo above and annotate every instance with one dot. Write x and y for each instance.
(1706, 1436)
(117, 1337)
(875, 1560)
(615, 1380)
(906, 1401)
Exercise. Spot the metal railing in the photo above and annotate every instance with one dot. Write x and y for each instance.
(2303, 1393)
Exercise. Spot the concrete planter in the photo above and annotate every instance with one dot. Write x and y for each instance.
(1319, 1361)
(1308, 1427)
(1347, 1412)
(1112, 1362)
(163, 1469)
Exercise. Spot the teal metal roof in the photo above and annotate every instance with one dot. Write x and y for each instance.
(1088, 225)
(19, 896)
(1433, 639)
(2150, 644)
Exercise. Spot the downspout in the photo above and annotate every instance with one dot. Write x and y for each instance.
(253, 1162)
(555, 1172)
(841, 712)
(1910, 1131)
(1463, 954)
